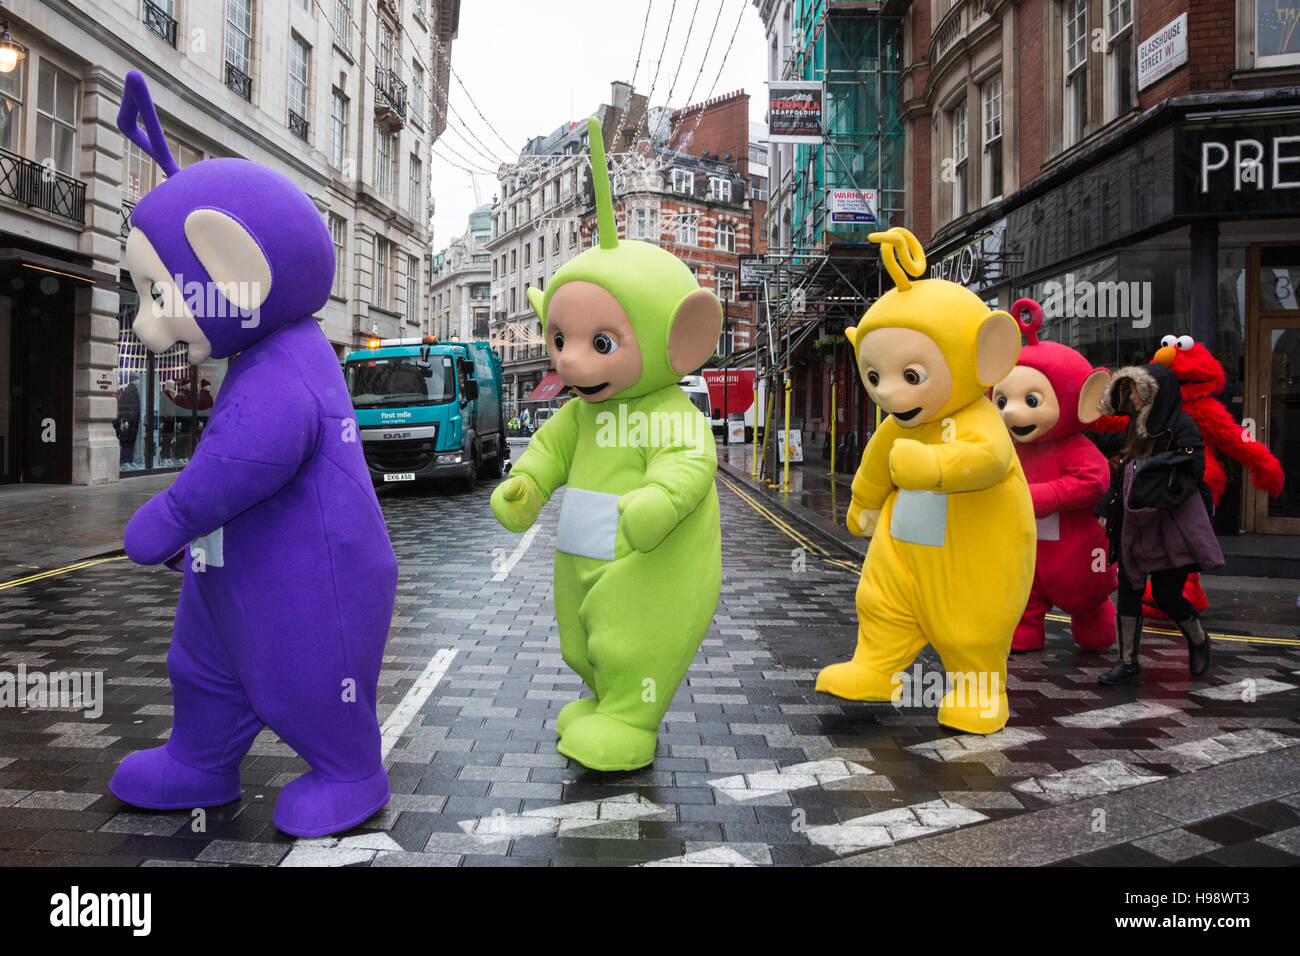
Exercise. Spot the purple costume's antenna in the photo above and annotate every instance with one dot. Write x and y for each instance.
(137, 106)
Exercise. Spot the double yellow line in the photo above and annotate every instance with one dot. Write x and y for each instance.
(803, 540)
(57, 571)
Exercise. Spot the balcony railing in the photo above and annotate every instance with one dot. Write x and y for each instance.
(390, 95)
(160, 22)
(41, 187)
(126, 217)
(239, 81)
(298, 126)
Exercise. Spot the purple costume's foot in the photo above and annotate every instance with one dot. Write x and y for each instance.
(312, 806)
(155, 780)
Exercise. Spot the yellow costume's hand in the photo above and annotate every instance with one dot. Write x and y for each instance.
(516, 502)
(648, 516)
(913, 465)
(861, 521)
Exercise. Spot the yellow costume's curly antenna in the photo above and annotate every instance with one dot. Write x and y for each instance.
(605, 223)
(899, 251)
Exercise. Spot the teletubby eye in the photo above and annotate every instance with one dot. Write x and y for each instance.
(912, 377)
(1185, 342)
(559, 341)
(1168, 340)
(603, 344)
(156, 293)
(1031, 400)
(1002, 401)
(874, 378)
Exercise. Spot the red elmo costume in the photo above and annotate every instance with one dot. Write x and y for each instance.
(1200, 378)
(1046, 402)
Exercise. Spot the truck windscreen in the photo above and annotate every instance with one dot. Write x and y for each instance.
(401, 381)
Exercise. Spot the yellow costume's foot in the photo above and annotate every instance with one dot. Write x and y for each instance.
(975, 717)
(603, 743)
(853, 681)
(573, 710)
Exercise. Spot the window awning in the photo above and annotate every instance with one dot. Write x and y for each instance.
(548, 388)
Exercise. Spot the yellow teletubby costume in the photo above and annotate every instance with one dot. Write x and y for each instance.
(951, 560)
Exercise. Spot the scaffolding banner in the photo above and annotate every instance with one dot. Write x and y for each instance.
(851, 206)
(794, 111)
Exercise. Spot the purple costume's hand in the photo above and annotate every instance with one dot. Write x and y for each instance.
(261, 431)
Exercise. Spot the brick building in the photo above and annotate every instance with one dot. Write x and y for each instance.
(1134, 165)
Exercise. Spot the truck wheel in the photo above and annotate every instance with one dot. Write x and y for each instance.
(471, 479)
(494, 467)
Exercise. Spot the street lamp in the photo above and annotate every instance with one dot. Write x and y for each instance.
(10, 52)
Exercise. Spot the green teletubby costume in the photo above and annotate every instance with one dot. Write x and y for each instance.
(638, 561)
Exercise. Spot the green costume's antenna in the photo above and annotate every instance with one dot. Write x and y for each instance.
(606, 226)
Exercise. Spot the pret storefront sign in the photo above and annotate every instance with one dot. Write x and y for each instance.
(1162, 52)
(794, 111)
(1240, 162)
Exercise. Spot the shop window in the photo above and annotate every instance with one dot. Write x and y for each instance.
(1277, 33)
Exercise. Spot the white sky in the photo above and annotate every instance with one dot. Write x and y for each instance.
(531, 66)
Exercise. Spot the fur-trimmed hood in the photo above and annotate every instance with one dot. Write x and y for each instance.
(1157, 385)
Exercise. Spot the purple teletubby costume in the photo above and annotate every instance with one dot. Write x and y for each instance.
(290, 576)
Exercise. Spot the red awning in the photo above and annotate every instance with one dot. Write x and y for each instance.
(547, 389)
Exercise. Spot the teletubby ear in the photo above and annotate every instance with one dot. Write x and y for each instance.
(233, 259)
(1090, 396)
(852, 334)
(535, 297)
(997, 347)
(696, 325)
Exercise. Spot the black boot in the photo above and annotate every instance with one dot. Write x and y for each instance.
(1129, 632)
(1198, 645)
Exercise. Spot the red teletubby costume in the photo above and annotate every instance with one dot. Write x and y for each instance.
(1200, 378)
(1046, 401)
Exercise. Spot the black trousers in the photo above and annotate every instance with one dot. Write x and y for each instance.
(1166, 591)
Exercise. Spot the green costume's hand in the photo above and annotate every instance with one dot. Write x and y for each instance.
(913, 465)
(647, 517)
(517, 502)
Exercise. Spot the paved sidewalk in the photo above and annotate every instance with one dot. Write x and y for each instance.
(1260, 606)
(51, 526)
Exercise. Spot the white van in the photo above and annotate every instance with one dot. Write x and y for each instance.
(697, 390)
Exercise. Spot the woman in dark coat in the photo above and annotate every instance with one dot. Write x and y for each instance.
(1157, 512)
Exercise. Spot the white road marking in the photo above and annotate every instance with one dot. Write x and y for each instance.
(415, 698)
(1081, 783)
(520, 549)
(815, 773)
(332, 851)
(1199, 754)
(1259, 686)
(609, 817)
(1117, 715)
(886, 827)
(966, 746)
(719, 855)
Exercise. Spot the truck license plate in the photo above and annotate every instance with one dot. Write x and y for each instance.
(399, 476)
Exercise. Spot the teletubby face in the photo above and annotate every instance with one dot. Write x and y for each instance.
(1028, 403)
(163, 318)
(591, 341)
(905, 373)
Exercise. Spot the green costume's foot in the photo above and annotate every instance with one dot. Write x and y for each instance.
(852, 681)
(603, 743)
(981, 717)
(572, 711)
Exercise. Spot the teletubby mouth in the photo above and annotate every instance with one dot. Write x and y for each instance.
(593, 389)
(1023, 429)
(908, 415)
